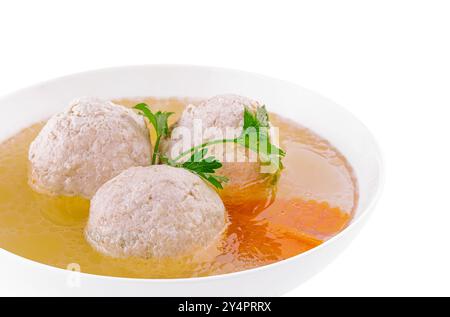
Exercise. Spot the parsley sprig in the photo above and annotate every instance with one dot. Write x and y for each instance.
(159, 121)
(203, 166)
(254, 136)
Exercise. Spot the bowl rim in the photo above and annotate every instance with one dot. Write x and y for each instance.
(365, 213)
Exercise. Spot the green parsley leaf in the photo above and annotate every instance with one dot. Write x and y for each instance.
(255, 136)
(262, 117)
(159, 121)
(145, 111)
(162, 123)
(250, 120)
(205, 167)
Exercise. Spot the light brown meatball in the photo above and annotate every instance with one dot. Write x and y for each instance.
(155, 212)
(81, 148)
(217, 118)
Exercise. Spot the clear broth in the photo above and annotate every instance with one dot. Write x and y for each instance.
(316, 196)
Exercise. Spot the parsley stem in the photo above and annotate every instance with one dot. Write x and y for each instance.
(203, 145)
(156, 150)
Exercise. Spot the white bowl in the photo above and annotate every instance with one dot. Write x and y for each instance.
(20, 276)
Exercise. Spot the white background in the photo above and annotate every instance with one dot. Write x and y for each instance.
(388, 62)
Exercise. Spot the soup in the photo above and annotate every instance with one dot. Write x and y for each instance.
(315, 198)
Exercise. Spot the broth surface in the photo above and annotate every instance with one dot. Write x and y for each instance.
(315, 199)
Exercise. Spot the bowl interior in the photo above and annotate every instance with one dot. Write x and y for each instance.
(311, 110)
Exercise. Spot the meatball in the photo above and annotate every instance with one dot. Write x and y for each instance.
(223, 117)
(221, 112)
(154, 212)
(84, 146)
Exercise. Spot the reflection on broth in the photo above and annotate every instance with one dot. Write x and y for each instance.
(315, 199)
